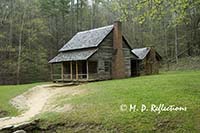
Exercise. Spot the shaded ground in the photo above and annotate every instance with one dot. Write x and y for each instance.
(3, 113)
(36, 101)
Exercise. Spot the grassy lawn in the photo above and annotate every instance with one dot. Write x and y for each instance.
(7, 92)
(101, 106)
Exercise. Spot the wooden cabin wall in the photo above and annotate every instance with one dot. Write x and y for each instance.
(127, 59)
(104, 58)
(152, 62)
(149, 65)
(156, 63)
(143, 67)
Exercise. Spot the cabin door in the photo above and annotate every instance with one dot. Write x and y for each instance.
(135, 70)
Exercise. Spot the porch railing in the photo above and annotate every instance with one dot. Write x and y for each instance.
(68, 76)
(56, 76)
(82, 76)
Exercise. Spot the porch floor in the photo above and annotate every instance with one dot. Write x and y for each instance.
(73, 80)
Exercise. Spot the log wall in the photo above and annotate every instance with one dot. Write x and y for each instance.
(150, 65)
(104, 58)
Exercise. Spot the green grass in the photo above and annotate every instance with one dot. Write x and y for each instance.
(7, 92)
(102, 104)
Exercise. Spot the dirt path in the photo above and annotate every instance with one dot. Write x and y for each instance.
(36, 101)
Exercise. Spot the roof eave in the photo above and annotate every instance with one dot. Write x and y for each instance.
(51, 61)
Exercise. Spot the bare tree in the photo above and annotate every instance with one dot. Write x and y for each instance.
(20, 48)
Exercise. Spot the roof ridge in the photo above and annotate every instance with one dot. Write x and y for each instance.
(141, 52)
(141, 48)
(99, 28)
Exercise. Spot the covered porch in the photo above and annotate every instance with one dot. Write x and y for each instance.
(82, 70)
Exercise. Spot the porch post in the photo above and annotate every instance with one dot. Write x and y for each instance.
(51, 71)
(76, 70)
(62, 70)
(71, 70)
(87, 69)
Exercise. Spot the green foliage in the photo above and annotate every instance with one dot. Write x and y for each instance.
(53, 8)
(154, 23)
(42, 27)
(34, 52)
(156, 10)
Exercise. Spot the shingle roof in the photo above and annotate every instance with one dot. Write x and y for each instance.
(73, 55)
(141, 52)
(87, 39)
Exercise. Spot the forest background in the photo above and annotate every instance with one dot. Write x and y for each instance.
(32, 31)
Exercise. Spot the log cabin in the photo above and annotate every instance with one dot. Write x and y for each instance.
(147, 63)
(98, 54)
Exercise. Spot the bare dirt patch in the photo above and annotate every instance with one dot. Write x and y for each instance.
(37, 100)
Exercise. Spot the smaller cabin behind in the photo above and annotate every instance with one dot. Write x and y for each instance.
(148, 61)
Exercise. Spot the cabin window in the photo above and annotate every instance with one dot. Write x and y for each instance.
(92, 66)
(107, 66)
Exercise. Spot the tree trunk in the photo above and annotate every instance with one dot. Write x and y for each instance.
(91, 17)
(176, 43)
(72, 17)
(165, 39)
(20, 49)
(11, 27)
(81, 14)
(57, 35)
(77, 16)
(93, 14)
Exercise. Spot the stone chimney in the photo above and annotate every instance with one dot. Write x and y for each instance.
(118, 65)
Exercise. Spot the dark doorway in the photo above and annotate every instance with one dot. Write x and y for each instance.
(73, 70)
(135, 70)
(82, 69)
